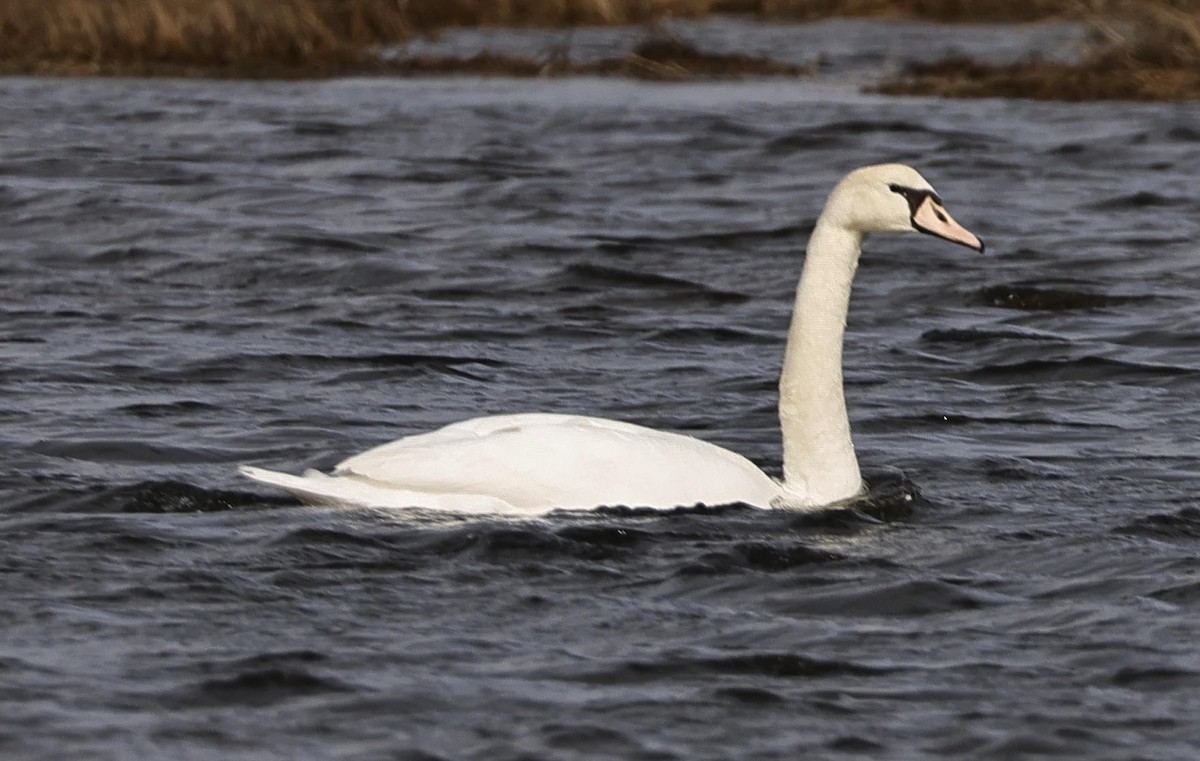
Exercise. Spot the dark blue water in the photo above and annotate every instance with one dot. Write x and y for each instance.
(198, 275)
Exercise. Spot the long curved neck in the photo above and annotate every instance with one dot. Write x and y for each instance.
(819, 465)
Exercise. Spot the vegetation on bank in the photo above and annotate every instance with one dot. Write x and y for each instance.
(660, 58)
(196, 37)
(1150, 51)
(314, 38)
(1143, 48)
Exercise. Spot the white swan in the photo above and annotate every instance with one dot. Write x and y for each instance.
(534, 463)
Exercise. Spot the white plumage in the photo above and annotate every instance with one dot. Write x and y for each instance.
(533, 463)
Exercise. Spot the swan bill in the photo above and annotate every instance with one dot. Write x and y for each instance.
(931, 218)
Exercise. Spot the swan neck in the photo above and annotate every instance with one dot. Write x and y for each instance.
(819, 464)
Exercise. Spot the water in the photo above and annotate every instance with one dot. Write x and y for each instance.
(204, 274)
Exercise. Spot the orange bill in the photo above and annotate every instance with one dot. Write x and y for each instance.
(931, 217)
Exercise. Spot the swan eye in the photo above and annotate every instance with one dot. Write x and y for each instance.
(899, 189)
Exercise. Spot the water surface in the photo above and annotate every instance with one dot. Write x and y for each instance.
(205, 274)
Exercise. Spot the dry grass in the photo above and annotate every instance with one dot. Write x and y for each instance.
(81, 35)
(1148, 50)
(1151, 50)
(310, 38)
(330, 34)
(265, 37)
(321, 37)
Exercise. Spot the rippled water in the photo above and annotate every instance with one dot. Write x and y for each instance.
(204, 274)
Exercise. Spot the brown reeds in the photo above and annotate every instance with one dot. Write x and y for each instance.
(265, 37)
(1147, 50)
(1143, 48)
(291, 38)
(325, 37)
(175, 36)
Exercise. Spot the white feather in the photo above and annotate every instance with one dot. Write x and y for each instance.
(533, 463)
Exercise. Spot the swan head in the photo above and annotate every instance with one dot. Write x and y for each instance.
(894, 198)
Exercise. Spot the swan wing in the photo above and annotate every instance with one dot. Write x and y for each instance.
(540, 462)
(317, 488)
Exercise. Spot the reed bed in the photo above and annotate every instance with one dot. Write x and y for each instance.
(1142, 48)
(315, 36)
(169, 36)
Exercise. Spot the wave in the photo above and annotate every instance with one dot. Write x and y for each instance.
(1183, 524)
(1038, 298)
(1088, 368)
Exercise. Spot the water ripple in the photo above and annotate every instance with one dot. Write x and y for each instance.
(202, 274)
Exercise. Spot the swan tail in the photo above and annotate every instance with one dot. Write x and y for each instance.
(313, 488)
(316, 488)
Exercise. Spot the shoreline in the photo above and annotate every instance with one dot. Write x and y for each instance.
(1146, 51)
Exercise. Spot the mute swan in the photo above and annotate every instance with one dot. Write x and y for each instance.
(534, 463)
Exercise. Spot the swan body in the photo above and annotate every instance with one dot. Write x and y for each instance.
(534, 463)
